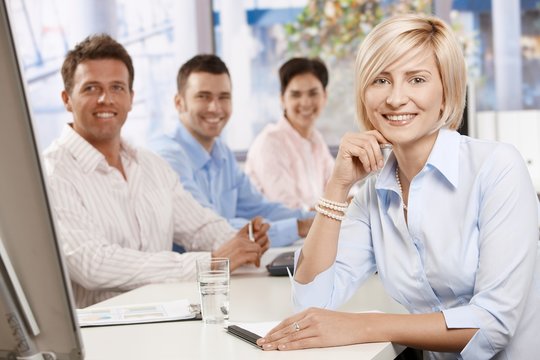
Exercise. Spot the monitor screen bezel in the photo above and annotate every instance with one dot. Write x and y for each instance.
(26, 222)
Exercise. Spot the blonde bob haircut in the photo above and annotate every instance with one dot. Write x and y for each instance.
(394, 38)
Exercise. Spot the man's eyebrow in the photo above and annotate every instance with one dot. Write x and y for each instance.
(208, 92)
(91, 82)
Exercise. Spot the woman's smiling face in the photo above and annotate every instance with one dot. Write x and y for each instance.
(303, 101)
(405, 100)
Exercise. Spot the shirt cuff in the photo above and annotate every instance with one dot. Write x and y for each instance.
(188, 265)
(306, 214)
(313, 294)
(283, 232)
(460, 317)
(465, 317)
(238, 223)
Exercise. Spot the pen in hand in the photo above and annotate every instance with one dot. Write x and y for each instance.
(252, 238)
(250, 231)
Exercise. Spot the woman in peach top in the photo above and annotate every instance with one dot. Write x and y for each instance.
(289, 161)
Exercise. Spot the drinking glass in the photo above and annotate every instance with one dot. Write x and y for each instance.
(213, 280)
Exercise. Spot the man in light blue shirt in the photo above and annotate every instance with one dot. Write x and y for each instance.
(206, 166)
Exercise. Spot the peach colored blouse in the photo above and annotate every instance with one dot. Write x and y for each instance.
(287, 167)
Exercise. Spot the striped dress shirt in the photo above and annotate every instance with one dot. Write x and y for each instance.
(117, 234)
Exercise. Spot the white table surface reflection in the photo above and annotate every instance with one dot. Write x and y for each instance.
(254, 297)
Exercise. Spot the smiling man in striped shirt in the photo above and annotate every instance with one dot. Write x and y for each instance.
(119, 209)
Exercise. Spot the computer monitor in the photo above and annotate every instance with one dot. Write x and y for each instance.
(37, 318)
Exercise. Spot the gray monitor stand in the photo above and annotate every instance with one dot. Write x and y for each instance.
(18, 313)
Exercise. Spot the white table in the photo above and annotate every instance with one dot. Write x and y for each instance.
(254, 297)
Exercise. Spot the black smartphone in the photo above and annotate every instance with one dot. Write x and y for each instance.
(244, 334)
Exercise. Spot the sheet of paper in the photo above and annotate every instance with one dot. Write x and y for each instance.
(135, 314)
(259, 328)
(262, 328)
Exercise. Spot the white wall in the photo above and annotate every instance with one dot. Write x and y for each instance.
(520, 128)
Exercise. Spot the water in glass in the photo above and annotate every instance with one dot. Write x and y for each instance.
(214, 290)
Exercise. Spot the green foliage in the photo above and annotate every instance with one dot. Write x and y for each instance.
(333, 29)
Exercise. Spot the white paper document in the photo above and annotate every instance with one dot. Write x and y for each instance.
(262, 328)
(259, 328)
(135, 314)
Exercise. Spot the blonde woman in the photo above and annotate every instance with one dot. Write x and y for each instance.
(450, 223)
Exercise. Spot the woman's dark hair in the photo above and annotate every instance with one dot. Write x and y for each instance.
(301, 65)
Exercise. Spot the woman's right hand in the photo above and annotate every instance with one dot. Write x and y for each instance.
(359, 155)
(315, 328)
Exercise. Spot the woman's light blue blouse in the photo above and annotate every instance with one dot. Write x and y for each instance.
(469, 248)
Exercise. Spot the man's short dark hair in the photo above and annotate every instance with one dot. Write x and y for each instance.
(95, 47)
(207, 63)
(301, 65)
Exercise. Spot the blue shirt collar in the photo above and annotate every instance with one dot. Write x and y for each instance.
(444, 157)
(198, 155)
